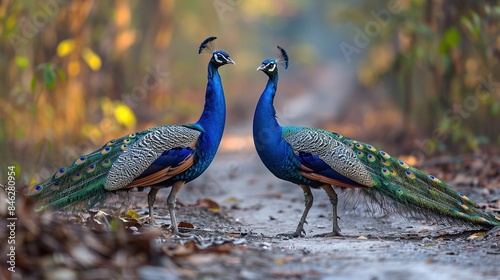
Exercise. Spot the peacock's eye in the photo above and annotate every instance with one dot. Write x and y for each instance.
(216, 57)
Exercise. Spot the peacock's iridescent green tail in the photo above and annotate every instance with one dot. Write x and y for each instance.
(83, 180)
(413, 189)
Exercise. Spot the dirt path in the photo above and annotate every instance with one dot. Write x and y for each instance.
(374, 246)
(237, 208)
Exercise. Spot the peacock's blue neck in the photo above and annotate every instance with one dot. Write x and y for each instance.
(265, 114)
(266, 130)
(213, 118)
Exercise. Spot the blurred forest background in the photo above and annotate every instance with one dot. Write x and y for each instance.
(416, 77)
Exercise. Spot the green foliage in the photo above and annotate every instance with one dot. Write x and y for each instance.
(50, 72)
(451, 39)
(22, 61)
(442, 62)
(472, 24)
(495, 109)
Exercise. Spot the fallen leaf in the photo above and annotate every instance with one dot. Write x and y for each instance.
(130, 222)
(231, 199)
(185, 225)
(224, 248)
(132, 214)
(211, 205)
(475, 235)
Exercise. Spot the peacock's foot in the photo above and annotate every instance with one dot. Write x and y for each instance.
(183, 235)
(329, 234)
(151, 222)
(178, 234)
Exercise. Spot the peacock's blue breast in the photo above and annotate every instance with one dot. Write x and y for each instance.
(206, 148)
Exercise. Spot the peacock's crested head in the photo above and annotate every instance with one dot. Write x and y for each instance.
(219, 57)
(270, 65)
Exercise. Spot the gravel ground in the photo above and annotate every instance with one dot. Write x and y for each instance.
(374, 246)
(237, 208)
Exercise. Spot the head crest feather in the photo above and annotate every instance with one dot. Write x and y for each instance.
(283, 57)
(207, 45)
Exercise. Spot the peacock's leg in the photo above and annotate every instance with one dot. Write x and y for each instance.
(151, 201)
(171, 200)
(334, 201)
(308, 198)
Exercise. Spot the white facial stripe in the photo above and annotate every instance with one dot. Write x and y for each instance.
(272, 68)
(216, 57)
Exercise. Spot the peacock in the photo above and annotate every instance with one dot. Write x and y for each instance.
(157, 157)
(316, 158)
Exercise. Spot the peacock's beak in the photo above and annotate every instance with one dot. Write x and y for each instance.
(261, 68)
(231, 61)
